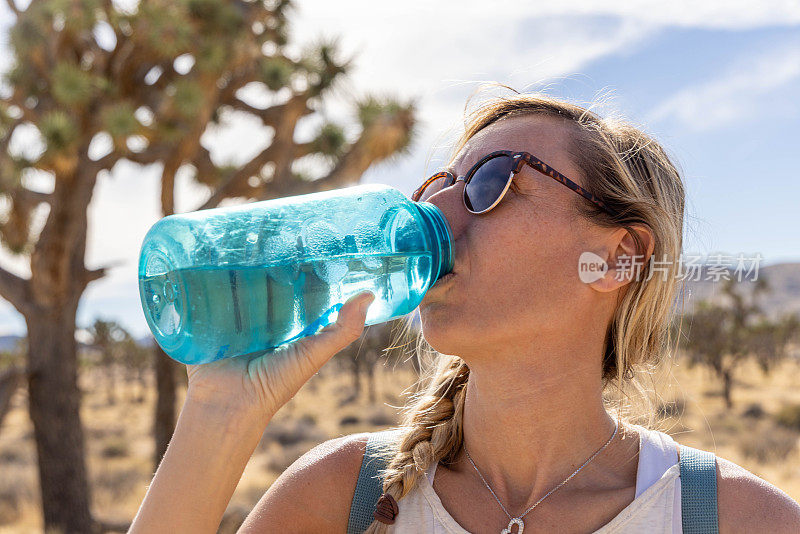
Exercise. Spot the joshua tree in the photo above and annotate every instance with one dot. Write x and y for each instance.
(111, 341)
(144, 85)
(723, 336)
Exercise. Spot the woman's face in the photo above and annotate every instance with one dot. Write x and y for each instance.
(516, 268)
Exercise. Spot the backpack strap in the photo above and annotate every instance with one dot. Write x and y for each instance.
(369, 486)
(698, 472)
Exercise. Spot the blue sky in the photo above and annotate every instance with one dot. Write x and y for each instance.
(718, 83)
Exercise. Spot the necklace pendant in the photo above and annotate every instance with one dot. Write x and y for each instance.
(515, 521)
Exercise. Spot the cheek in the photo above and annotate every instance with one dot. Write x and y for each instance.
(519, 279)
(529, 271)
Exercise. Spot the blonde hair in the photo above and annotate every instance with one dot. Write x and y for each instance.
(633, 175)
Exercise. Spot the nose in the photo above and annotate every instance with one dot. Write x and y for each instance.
(450, 201)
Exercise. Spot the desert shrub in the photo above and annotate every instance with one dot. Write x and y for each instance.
(11, 456)
(769, 445)
(9, 506)
(279, 460)
(288, 432)
(114, 448)
(118, 483)
(349, 420)
(789, 416)
(754, 410)
(101, 433)
(233, 519)
(381, 418)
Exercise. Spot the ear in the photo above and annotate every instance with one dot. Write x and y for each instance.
(625, 263)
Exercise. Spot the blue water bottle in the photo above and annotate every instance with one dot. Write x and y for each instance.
(245, 279)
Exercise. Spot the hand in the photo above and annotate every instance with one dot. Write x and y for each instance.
(260, 385)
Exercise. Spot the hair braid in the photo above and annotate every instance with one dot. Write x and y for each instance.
(434, 431)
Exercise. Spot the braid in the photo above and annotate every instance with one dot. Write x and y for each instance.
(434, 431)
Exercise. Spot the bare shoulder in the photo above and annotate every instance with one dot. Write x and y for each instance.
(747, 503)
(314, 493)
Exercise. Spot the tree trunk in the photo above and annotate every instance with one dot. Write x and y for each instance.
(727, 381)
(371, 382)
(164, 421)
(54, 402)
(111, 383)
(142, 383)
(356, 371)
(165, 367)
(58, 279)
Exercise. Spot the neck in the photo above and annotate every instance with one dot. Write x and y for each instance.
(527, 427)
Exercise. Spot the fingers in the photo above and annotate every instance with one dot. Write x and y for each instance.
(282, 373)
(336, 336)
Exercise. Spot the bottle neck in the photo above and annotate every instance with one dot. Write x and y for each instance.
(441, 239)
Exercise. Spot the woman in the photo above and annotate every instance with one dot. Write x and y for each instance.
(515, 427)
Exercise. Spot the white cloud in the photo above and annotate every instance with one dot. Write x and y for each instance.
(708, 14)
(734, 94)
(441, 54)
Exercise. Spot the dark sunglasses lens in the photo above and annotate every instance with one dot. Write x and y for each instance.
(434, 187)
(488, 183)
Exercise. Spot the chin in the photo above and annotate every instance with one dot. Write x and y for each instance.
(441, 333)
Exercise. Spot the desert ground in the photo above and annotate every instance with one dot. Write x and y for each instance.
(760, 433)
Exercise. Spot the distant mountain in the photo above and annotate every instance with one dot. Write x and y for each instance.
(146, 341)
(9, 343)
(782, 278)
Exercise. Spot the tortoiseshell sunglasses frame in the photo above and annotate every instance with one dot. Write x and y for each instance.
(522, 158)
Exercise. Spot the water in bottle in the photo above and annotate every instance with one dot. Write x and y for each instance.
(246, 279)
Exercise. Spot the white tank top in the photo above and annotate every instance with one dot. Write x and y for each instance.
(656, 507)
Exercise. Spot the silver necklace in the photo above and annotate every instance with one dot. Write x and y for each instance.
(518, 520)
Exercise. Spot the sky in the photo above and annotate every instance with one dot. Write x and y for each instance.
(717, 83)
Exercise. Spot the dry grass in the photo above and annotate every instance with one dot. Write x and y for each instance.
(120, 446)
(751, 434)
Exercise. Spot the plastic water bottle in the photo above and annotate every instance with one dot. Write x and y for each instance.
(245, 279)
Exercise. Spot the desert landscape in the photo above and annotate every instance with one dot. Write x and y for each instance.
(760, 433)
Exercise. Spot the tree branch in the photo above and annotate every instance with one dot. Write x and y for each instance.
(7, 137)
(14, 7)
(281, 151)
(108, 161)
(108, 57)
(272, 115)
(377, 142)
(90, 275)
(235, 181)
(207, 172)
(17, 98)
(146, 157)
(34, 197)
(15, 290)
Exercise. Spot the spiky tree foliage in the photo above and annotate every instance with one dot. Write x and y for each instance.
(85, 70)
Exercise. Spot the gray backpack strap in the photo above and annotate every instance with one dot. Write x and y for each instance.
(698, 471)
(370, 485)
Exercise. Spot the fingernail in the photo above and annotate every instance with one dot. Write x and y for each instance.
(365, 304)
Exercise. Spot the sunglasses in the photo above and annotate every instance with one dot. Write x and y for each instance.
(488, 180)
